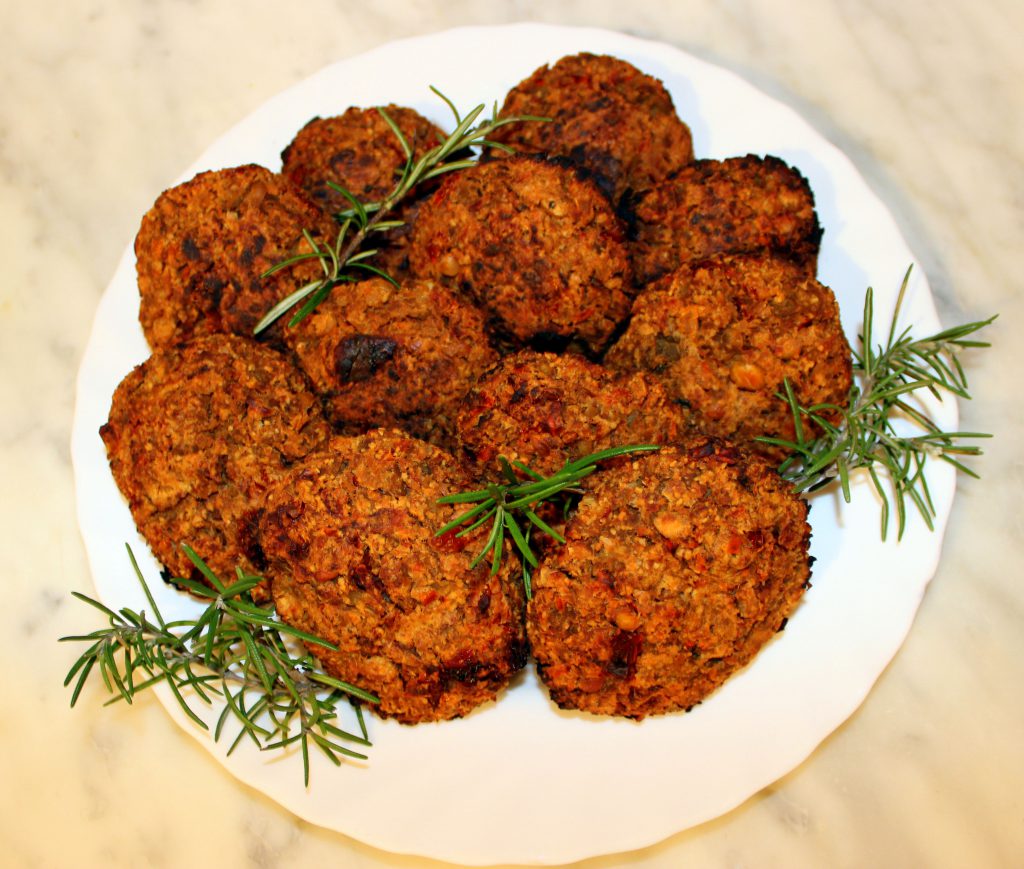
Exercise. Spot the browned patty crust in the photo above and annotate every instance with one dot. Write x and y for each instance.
(401, 357)
(724, 335)
(350, 536)
(678, 567)
(539, 249)
(607, 116)
(359, 151)
(711, 207)
(197, 435)
(544, 410)
(203, 246)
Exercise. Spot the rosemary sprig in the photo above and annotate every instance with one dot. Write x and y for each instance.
(235, 650)
(500, 503)
(872, 431)
(345, 261)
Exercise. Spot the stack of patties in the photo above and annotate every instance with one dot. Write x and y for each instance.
(216, 429)
(600, 288)
(678, 566)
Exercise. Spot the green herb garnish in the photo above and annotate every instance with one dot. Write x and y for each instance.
(871, 432)
(345, 261)
(236, 650)
(500, 504)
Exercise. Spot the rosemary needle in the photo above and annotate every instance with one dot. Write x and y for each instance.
(872, 429)
(234, 649)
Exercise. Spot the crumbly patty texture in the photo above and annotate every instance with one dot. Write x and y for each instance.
(613, 120)
(738, 205)
(349, 534)
(678, 567)
(544, 410)
(359, 151)
(539, 249)
(196, 437)
(401, 357)
(724, 335)
(203, 246)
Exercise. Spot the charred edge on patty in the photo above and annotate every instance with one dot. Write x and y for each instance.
(357, 358)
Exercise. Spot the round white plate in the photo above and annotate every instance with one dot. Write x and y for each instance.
(520, 781)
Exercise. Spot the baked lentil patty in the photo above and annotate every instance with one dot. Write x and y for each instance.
(401, 357)
(536, 247)
(349, 534)
(678, 567)
(359, 151)
(545, 409)
(723, 336)
(608, 117)
(196, 437)
(203, 246)
(711, 207)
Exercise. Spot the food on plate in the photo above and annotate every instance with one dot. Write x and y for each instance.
(325, 475)
(606, 116)
(738, 205)
(534, 245)
(723, 336)
(196, 437)
(677, 568)
(203, 247)
(398, 357)
(359, 151)
(544, 409)
(349, 537)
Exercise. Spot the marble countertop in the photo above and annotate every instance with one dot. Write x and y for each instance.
(106, 102)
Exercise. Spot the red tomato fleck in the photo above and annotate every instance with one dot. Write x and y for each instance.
(449, 542)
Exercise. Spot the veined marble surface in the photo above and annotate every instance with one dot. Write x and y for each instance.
(105, 102)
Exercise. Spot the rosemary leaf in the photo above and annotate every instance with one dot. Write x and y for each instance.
(234, 649)
(406, 147)
(886, 377)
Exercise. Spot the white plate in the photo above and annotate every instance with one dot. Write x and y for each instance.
(520, 781)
